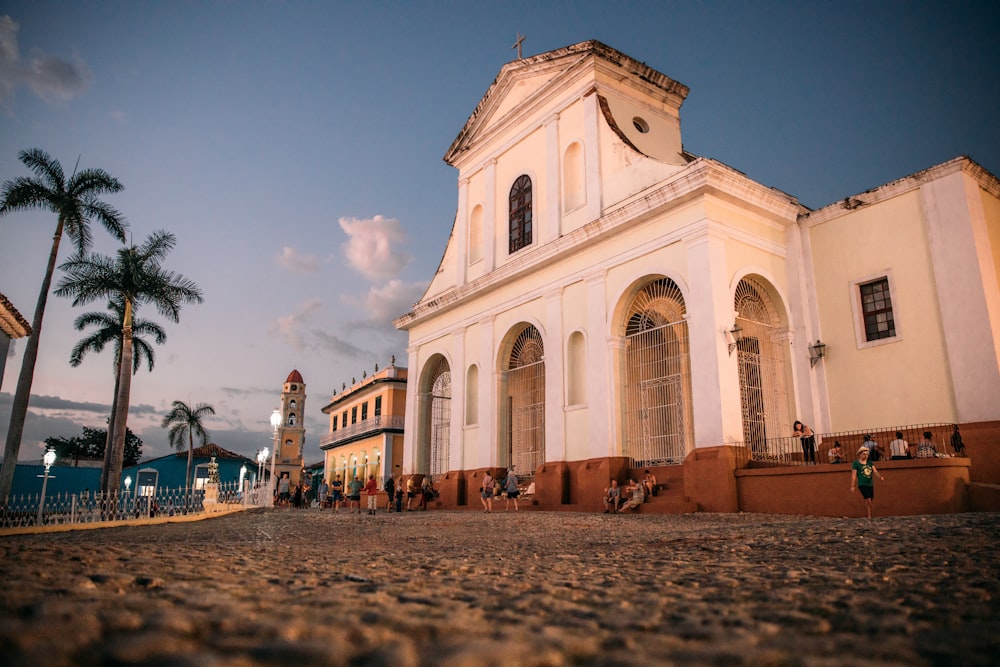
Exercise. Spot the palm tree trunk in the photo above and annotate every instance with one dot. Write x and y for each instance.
(19, 409)
(110, 436)
(188, 482)
(114, 475)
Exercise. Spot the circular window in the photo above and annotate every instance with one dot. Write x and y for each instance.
(640, 125)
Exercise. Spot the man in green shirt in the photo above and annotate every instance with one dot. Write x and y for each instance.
(862, 477)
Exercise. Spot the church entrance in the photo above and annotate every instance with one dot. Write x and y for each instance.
(761, 364)
(436, 399)
(657, 387)
(526, 403)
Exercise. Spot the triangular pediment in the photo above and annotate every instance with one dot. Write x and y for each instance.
(526, 80)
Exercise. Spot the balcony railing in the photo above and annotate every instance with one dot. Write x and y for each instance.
(366, 426)
(787, 450)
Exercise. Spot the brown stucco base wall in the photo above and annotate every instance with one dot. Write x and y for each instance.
(982, 444)
(709, 479)
(919, 486)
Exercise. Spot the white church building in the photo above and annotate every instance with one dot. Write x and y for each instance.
(605, 293)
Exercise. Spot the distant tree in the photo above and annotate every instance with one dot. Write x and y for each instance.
(91, 445)
(185, 424)
(109, 329)
(135, 276)
(75, 202)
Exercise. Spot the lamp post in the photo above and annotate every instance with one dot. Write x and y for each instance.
(243, 475)
(275, 423)
(47, 460)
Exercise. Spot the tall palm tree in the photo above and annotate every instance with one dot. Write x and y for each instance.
(109, 328)
(134, 275)
(75, 203)
(185, 424)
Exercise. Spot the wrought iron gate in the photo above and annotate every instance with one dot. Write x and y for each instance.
(657, 378)
(526, 403)
(438, 446)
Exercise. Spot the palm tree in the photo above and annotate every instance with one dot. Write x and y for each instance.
(75, 202)
(134, 275)
(185, 423)
(110, 329)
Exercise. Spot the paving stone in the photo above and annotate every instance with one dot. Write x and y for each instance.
(279, 587)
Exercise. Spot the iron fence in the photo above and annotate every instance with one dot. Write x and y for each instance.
(76, 508)
(789, 451)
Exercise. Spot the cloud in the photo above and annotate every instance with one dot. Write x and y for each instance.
(372, 246)
(119, 116)
(291, 327)
(51, 78)
(386, 303)
(293, 261)
(339, 346)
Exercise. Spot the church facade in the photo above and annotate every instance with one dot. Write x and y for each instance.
(604, 293)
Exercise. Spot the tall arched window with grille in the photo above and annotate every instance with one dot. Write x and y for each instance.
(525, 418)
(520, 213)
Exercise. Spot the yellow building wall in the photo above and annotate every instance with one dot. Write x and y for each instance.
(905, 381)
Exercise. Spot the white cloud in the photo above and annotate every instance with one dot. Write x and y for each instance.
(51, 78)
(386, 303)
(291, 327)
(292, 260)
(373, 246)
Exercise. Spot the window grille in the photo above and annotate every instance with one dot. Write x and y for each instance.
(526, 403)
(520, 213)
(876, 305)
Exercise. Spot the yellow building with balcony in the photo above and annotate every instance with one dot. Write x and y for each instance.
(366, 427)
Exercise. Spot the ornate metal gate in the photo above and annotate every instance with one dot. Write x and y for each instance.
(440, 418)
(526, 403)
(761, 362)
(657, 376)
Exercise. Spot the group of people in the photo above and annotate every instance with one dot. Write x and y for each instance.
(899, 449)
(333, 495)
(507, 488)
(638, 491)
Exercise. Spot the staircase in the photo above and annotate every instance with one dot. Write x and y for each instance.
(670, 498)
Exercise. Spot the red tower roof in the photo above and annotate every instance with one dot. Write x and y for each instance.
(295, 376)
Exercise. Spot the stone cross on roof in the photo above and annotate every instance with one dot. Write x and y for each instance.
(517, 45)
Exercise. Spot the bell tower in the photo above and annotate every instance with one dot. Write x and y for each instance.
(289, 437)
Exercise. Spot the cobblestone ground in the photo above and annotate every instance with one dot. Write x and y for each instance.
(287, 587)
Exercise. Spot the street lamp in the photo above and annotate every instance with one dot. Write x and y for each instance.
(47, 460)
(275, 423)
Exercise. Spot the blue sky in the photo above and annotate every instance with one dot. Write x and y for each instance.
(294, 149)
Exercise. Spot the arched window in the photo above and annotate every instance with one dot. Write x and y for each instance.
(291, 404)
(472, 396)
(476, 235)
(574, 193)
(291, 419)
(520, 213)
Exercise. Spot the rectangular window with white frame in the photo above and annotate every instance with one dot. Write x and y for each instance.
(874, 319)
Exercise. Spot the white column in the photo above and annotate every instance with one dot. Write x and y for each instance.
(965, 277)
(411, 423)
(462, 233)
(552, 222)
(714, 374)
(555, 374)
(456, 444)
(489, 402)
(598, 388)
(592, 156)
(490, 217)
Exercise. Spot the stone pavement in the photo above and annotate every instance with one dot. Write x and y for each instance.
(465, 589)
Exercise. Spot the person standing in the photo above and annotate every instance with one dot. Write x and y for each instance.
(354, 494)
(399, 495)
(390, 493)
(411, 492)
(956, 442)
(487, 492)
(371, 488)
(862, 477)
(511, 489)
(324, 491)
(336, 493)
(808, 440)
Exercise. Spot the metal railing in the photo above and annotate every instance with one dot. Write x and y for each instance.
(364, 426)
(788, 450)
(76, 508)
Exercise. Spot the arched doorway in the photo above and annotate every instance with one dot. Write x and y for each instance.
(657, 387)
(761, 364)
(436, 399)
(525, 418)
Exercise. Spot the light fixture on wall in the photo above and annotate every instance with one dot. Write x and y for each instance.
(736, 333)
(816, 352)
